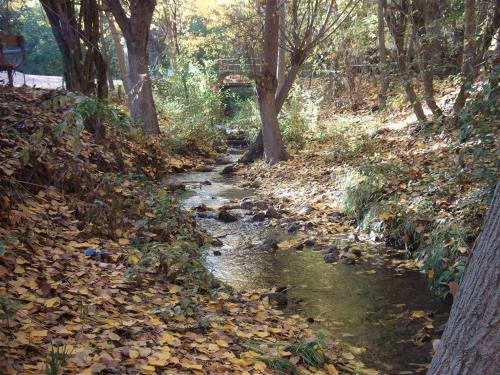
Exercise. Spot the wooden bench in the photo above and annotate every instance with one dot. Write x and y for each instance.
(12, 54)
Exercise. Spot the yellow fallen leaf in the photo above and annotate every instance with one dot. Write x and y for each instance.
(222, 343)
(133, 260)
(193, 366)
(133, 354)
(52, 302)
(331, 370)
(260, 366)
(39, 333)
(213, 347)
(159, 359)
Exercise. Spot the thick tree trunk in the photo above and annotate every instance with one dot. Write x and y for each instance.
(257, 147)
(63, 21)
(142, 106)
(384, 78)
(120, 53)
(471, 340)
(274, 149)
(266, 83)
(135, 29)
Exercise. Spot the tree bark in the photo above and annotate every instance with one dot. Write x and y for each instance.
(384, 79)
(63, 21)
(120, 53)
(135, 29)
(282, 41)
(397, 22)
(424, 18)
(266, 83)
(142, 106)
(471, 341)
(468, 54)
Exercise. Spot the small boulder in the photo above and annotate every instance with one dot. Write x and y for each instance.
(330, 258)
(268, 245)
(222, 161)
(309, 243)
(216, 242)
(357, 252)
(259, 217)
(217, 253)
(261, 205)
(246, 205)
(206, 183)
(272, 213)
(292, 228)
(228, 170)
(226, 217)
(176, 186)
(204, 168)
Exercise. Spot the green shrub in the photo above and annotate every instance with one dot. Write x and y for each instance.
(361, 189)
(299, 116)
(246, 118)
(444, 256)
(189, 106)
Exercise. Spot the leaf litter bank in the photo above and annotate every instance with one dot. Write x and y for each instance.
(100, 270)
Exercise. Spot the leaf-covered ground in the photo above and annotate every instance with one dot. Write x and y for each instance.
(99, 270)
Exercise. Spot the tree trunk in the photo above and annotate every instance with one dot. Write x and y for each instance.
(397, 22)
(257, 147)
(468, 54)
(63, 21)
(384, 79)
(120, 52)
(471, 340)
(142, 106)
(282, 41)
(135, 29)
(424, 17)
(266, 83)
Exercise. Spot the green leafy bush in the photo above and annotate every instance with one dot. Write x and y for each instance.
(299, 116)
(189, 106)
(362, 188)
(444, 256)
(246, 118)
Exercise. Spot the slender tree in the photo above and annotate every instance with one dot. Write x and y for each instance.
(471, 340)
(476, 43)
(119, 50)
(424, 16)
(134, 23)
(396, 16)
(384, 77)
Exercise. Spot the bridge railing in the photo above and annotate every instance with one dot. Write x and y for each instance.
(237, 66)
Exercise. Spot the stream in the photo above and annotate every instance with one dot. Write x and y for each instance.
(366, 306)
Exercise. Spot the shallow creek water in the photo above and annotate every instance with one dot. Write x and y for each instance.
(360, 305)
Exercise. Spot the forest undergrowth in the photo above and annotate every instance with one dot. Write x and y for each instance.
(100, 270)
